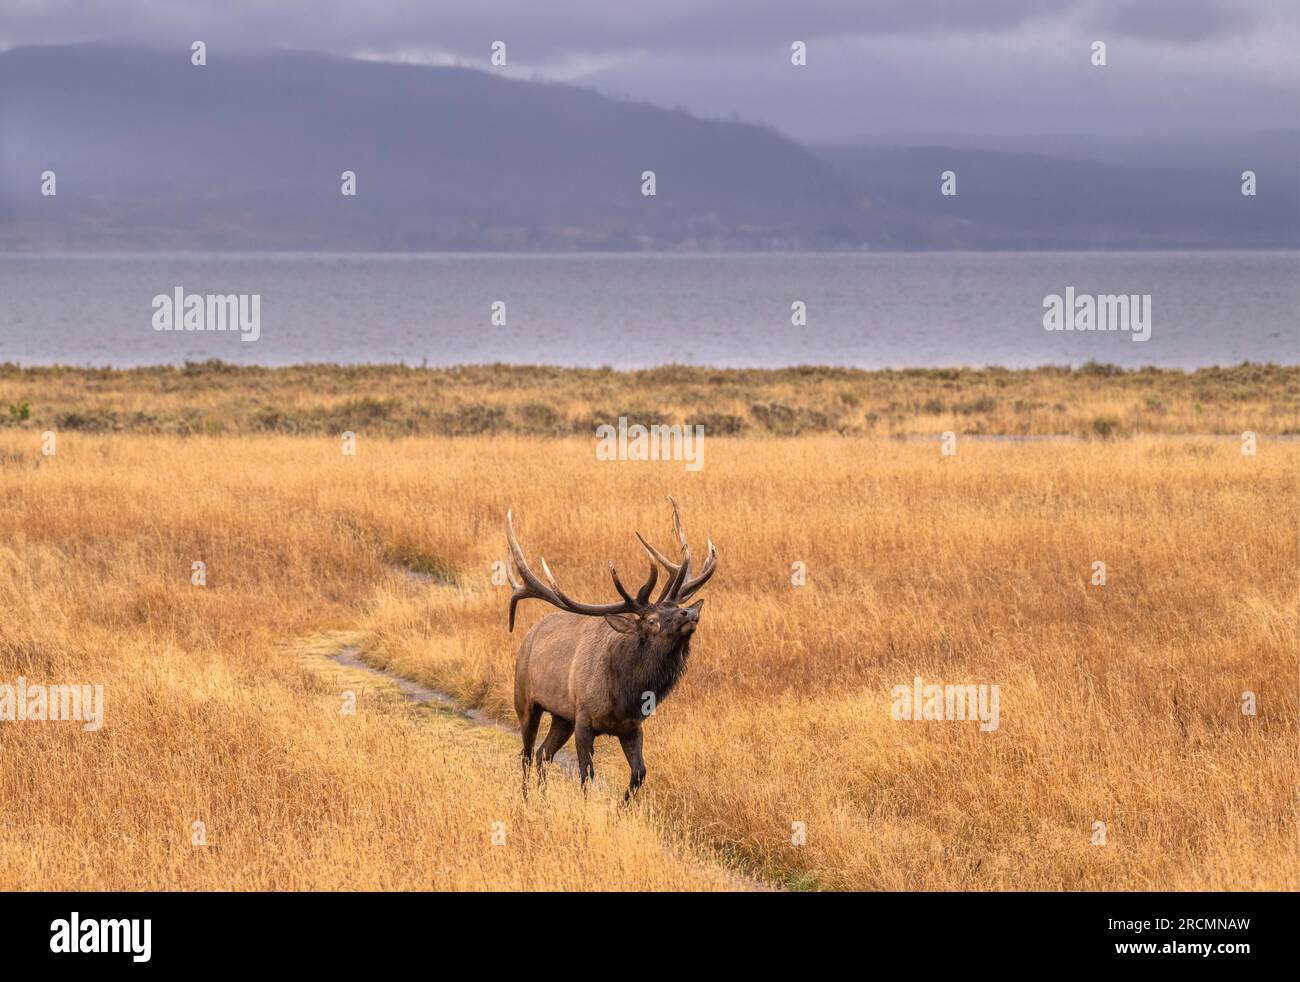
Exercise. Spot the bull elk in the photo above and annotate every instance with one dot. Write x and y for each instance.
(593, 667)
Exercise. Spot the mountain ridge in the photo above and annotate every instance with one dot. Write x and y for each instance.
(249, 152)
(246, 153)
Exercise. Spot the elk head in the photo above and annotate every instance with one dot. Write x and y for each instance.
(666, 617)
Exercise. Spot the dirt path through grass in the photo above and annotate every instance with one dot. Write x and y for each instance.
(340, 658)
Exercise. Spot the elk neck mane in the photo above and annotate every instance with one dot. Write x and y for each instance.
(653, 665)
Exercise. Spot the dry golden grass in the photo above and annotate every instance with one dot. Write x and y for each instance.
(1120, 703)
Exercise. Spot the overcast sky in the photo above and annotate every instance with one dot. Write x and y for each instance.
(876, 68)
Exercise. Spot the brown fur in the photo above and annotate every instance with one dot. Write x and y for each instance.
(595, 680)
(602, 669)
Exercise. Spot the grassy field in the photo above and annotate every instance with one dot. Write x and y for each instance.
(1120, 703)
(214, 399)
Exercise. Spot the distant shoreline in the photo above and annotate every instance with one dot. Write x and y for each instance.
(9, 251)
(200, 367)
(217, 398)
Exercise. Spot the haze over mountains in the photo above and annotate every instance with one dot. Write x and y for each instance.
(245, 153)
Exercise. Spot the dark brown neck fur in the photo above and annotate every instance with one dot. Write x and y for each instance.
(648, 665)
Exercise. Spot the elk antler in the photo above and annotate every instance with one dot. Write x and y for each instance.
(533, 588)
(681, 585)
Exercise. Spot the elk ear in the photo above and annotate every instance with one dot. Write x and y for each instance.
(624, 623)
(697, 607)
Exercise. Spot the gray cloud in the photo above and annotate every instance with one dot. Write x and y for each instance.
(1010, 66)
(564, 27)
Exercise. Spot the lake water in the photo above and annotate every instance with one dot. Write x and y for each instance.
(636, 310)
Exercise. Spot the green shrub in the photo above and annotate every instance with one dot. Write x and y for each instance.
(1105, 427)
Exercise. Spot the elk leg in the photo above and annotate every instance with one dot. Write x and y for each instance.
(586, 740)
(556, 737)
(632, 751)
(529, 720)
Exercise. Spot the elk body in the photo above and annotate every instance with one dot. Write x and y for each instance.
(600, 669)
